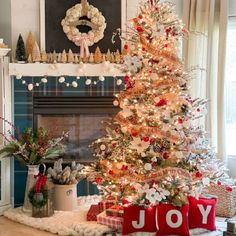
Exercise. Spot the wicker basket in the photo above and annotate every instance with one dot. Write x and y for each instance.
(226, 201)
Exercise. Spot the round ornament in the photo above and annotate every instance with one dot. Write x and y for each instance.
(75, 17)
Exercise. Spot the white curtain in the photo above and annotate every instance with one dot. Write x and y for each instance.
(204, 55)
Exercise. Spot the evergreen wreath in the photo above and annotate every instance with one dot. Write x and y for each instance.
(38, 203)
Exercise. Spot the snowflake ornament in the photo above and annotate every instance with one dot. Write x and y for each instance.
(133, 63)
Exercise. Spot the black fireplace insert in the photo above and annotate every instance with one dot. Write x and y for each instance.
(80, 116)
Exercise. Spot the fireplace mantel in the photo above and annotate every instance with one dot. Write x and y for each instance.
(67, 69)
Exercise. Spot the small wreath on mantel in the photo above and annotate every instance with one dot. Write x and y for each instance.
(84, 14)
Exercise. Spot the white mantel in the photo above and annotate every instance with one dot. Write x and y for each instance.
(59, 69)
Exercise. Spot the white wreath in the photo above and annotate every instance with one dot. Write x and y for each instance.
(71, 20)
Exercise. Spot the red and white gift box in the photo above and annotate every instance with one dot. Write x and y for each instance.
(105, 204)
(110, 221)
(115, 210)
(92, 213)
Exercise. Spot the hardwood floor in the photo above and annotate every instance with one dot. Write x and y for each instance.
(10, 228)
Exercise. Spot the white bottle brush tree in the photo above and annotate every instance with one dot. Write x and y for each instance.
(153, 152)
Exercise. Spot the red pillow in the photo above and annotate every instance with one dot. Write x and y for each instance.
(172, 220)
(202, 213)
(139, 219)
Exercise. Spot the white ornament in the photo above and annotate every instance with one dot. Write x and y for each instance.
(23, 82)
(88, 82)
(78, 78)
(67, 85)
(30, 87)
(119, 82)
(101, 78)
(205, 181)
(103, 147)
(37, 84)
(148, 166)
(18, 76)
(95, 82)
(74, 84)
(44, 80)
(143, 154)
(62, 79)
(116, 103)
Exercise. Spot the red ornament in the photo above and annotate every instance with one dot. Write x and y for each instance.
(124, 167)
(140, 16)
(99, 180)
(145, 139)
(219, 183)
(140, 29)
(125, 201)
(228, 189)
(199, 174)
(162, 102)
(152, 141)
(165, 45)
(111, 172)
(180, 121)
(126, 47)
(165, 155)
(113, 145)
(134, 133)
(198, 109)
(126, 79)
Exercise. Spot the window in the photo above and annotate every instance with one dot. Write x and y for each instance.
(231, 88)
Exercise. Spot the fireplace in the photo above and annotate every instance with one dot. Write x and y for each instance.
(80, 116)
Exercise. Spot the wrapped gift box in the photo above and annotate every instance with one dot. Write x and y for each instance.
(115, 210)
(110, 221)
(92, 213)
(107, 203)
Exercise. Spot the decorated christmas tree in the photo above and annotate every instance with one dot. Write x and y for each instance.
(153, 151)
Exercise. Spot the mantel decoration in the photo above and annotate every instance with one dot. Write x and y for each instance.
(74, 18)
(65, 182)
(107, 67)
(31, 148)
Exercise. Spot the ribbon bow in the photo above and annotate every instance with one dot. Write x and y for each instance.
(40, 182)
(41, 178)
(83, 42)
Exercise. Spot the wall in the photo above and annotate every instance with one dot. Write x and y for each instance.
(5, 21)
(232, 8)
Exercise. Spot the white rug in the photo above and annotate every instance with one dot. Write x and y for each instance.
(75, 224)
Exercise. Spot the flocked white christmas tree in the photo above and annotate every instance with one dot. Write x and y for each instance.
(152, 151)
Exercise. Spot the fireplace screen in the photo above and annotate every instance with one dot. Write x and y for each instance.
(82, 119)
(83, 129)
